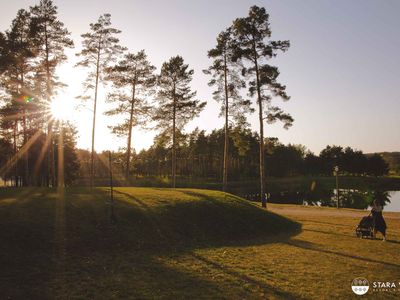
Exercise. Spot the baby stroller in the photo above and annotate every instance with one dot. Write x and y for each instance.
(366, 227)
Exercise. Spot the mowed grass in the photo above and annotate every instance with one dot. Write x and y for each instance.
(183, 244)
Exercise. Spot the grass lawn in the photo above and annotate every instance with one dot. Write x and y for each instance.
(183, 243)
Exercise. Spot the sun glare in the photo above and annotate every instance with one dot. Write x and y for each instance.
(62, 109)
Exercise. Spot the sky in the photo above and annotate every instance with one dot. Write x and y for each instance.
(342, 70)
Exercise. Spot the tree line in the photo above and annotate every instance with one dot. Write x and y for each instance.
(201, 155)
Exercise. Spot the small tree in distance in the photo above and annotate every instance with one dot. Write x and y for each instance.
(177, 103)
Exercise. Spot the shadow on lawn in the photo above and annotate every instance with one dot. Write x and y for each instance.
(242, 278)
(26, 244)
(326, 232)
(324, 223)
(311, 247)
(393, 241)
(132, 258)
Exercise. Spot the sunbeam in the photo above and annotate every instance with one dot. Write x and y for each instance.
(19, 154)
(24, 114)
(42, 153)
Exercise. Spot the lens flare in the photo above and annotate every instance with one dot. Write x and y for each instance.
(24, 98)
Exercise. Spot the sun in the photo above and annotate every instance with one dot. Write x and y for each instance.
(62, 109)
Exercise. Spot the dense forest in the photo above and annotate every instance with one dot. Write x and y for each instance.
(200, 155)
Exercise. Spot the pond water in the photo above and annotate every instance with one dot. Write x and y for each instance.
(394, 204)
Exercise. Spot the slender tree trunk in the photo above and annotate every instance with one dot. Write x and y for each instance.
(53, 159)
(25, 134)
(128, 152)
(15, 152)
(94, 120)
(60, 166)
(174, 142)
(26, 157)
(226, 143)
(46, 170)
(50, 153)
(261, 120)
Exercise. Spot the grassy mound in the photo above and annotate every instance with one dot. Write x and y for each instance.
(186, 216)
(66, 246)
(144, 217)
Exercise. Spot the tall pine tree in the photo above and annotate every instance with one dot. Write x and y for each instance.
(53, 38)
(100, 47)
(177, 103)
(18, 54)
(226, 78)
(3, 53)
(133, 81)
(253, 44)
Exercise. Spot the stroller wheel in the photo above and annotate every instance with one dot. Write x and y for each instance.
(371, 233)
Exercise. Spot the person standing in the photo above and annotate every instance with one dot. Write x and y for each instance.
(379, 221)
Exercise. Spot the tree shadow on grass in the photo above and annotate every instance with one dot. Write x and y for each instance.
(26, 244)
(327, 232)
(312, 247)
(19, 194)
(393, 241)
(324, 223)
(240, 278)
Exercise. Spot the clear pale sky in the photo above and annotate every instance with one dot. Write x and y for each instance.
(342, 69)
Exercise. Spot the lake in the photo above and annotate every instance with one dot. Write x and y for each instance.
(394, 204)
